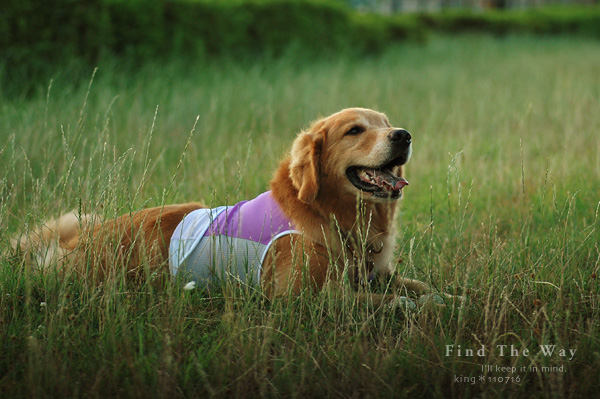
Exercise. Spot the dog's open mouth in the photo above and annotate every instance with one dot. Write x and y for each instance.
(381, 182)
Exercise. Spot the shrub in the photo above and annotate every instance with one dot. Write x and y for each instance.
(36, 34)
(548, 20)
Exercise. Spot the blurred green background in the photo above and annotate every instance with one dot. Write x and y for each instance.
(38, 36)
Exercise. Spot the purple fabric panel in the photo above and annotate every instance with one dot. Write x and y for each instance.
(258, 220)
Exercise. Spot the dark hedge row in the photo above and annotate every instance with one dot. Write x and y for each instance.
(545, 21)
(50, 30)
(38, 33)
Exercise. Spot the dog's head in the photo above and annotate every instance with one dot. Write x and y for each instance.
(355, 151)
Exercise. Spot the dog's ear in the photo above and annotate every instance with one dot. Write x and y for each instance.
(305, 164)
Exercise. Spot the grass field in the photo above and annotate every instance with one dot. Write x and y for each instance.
(502, 207)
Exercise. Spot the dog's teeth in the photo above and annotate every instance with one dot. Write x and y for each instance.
(365, 177)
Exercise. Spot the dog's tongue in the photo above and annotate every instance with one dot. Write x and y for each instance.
(400, 183)
(384, 180)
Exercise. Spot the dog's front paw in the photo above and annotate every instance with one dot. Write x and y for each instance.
(432, 298)
(403, 302)
(440, 299)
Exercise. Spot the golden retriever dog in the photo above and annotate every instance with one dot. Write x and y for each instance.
(329, 215)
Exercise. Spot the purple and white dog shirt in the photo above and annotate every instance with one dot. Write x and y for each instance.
(227, 242)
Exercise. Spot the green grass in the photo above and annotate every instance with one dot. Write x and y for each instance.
(503, 207)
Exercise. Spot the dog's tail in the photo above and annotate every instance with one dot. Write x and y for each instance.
(52, 241)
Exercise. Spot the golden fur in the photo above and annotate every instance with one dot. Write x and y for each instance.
(342, 226)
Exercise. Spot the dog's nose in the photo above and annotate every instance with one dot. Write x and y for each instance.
(400, 136)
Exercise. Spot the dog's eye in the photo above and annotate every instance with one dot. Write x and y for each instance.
(355, 130)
